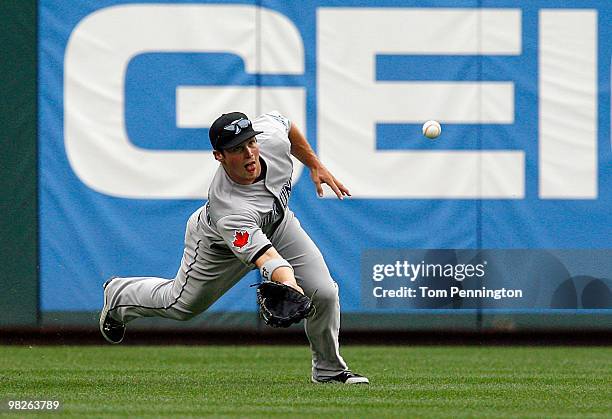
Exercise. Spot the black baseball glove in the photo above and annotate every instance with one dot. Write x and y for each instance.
(281, 305)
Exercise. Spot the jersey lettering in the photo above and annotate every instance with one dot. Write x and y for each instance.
(284, 194)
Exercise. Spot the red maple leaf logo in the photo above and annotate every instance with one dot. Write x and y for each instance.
(241, 238)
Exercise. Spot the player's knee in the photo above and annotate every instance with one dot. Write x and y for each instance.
(185, 310)
(184, 315)
(326, 296)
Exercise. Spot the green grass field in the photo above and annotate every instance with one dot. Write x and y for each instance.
(247, 381)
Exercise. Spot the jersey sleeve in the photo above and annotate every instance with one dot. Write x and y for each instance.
(282, 121)
(244, 237)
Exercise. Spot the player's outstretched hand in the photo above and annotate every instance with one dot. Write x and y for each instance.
(320, 175)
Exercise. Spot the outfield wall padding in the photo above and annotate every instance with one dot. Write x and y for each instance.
(106, 108)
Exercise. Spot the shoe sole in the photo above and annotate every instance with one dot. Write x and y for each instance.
(103, 315)
(356, 380)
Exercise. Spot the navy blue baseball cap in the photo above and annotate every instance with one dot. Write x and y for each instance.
(230, 129)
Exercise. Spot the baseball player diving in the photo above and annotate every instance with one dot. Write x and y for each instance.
(247, 224)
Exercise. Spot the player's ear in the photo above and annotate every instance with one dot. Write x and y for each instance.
(219, 155)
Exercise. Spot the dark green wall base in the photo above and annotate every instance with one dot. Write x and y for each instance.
(18, 164)
(251, 322)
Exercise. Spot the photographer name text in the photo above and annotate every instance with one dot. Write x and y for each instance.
(404, 271)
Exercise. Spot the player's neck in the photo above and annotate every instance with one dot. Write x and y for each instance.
(262, 173)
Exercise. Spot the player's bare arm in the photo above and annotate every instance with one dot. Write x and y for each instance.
(319, 174)
(283, 274)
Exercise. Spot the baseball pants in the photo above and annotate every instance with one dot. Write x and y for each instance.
(206, 274)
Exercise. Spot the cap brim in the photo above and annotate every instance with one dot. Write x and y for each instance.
(240, 138)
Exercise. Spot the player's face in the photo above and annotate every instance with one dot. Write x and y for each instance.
(241, 162)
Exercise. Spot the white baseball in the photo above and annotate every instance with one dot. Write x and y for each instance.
(432, 129)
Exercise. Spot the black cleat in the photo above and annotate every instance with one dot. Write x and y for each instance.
(112, 330)
(345, 377)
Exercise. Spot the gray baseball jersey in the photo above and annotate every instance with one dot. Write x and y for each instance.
(225, 236)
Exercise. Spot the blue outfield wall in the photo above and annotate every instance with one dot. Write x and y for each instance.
(520, 177)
